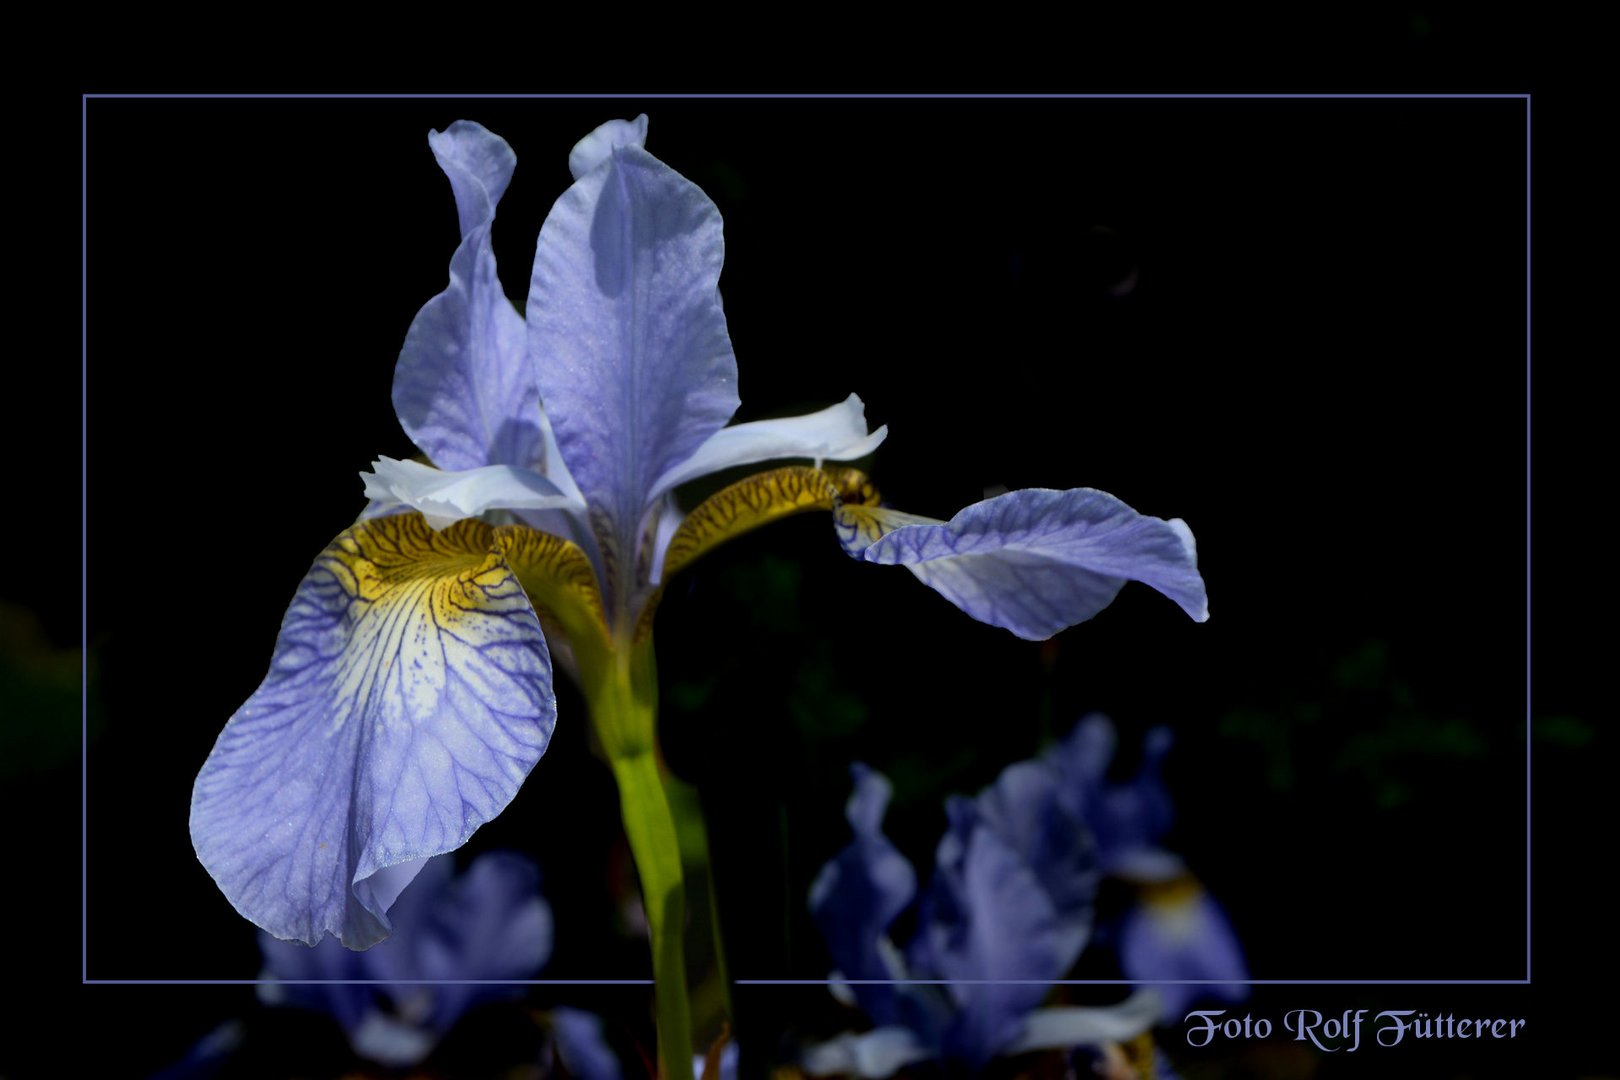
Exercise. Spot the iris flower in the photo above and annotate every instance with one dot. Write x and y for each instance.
(410, 687)
(1008, 912)
(490, 924)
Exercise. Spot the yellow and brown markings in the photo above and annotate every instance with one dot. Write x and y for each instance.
(453, 569)
(759, 500)
(558, 576)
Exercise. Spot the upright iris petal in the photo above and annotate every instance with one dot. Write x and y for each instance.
(463, 388)
(1006, 913)
(634, 361)
(988, 922)
(860, 892)
(409, 695)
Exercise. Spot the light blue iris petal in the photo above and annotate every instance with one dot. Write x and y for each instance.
(296, 963)
(479, 164)
(381, 736)
(599, 145)
(836, 433)
(860, 892)
(627, 334)
(1026, 808)
(986, 917)
(1037, 561)
(583, 1047)
(464, 388)
(1187, 938)
(492, 923)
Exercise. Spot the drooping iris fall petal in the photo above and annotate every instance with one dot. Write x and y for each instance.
(409, 695)
(1037, 560)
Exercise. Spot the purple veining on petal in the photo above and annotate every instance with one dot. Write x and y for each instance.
(391, 725)
(1036, 561)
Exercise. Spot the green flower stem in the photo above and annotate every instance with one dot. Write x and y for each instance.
(711, 993)
(622, 689)
(651, 829)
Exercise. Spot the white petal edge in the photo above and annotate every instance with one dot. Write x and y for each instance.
(836, 433)
(877, 1053)
(1063, 1026)
(446, 496)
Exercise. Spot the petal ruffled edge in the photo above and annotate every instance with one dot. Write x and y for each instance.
(1034, 561)
(836, 433)
(445, 496)
(599, 145)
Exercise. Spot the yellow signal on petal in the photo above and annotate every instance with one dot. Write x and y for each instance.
(759, 500)
(560, 580)
(455, 569)
(407, 587)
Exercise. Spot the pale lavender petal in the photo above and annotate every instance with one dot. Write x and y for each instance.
(860, 892)
(479, 165)
(628, 337)
(1036, 561)
(1130, 818)
(1026, 808)
(986, 917)
(1182, 936)
(599, 145)
(582, 1046)
(295, 974)
(464, 388)
(1084, 754)
(1127, 819)
(492, 923)
(445, 497)
(836, 433)
(409, 695)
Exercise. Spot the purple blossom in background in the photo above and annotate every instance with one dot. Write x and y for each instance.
(1009, 910)
(410, 689)
(490, 923)
(988, 914)
(1176, 930)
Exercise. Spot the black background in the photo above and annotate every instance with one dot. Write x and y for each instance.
(1320, 367)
